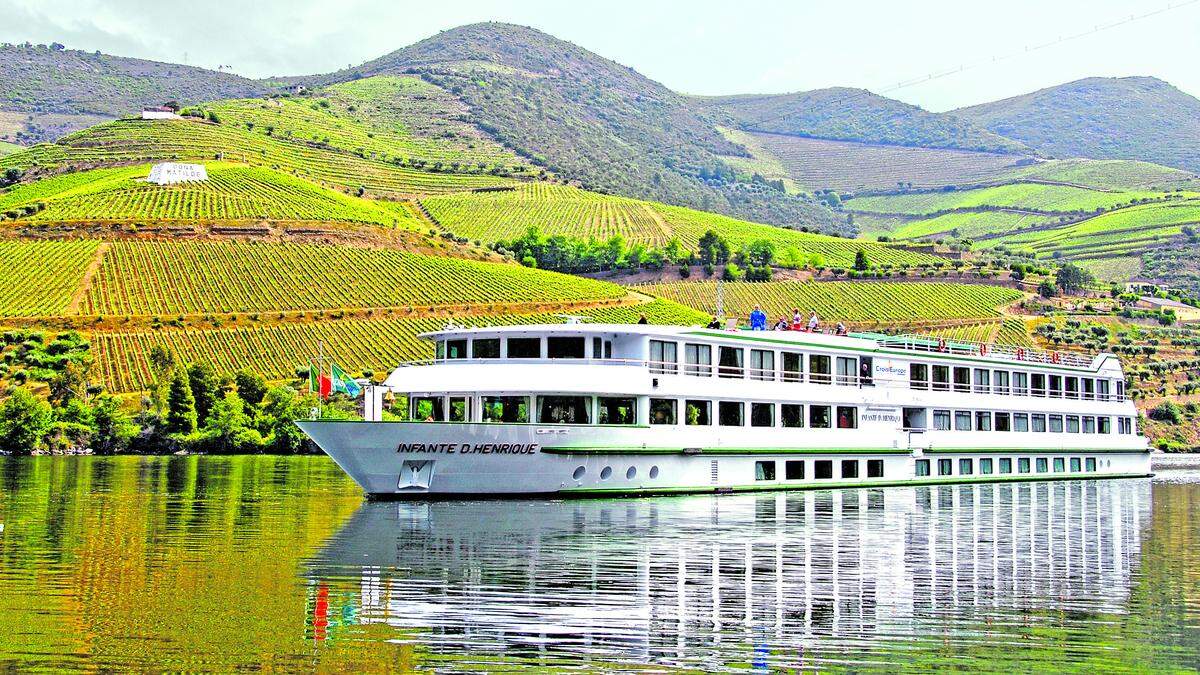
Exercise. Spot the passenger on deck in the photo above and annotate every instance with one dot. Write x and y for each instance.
(797, 319)
(841, 329)
(714, 324)
(782, 324)
(758, 319)
(813, 322)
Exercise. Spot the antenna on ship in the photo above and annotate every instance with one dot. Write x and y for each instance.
(720, 300)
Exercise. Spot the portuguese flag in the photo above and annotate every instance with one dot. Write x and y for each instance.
(318, 382)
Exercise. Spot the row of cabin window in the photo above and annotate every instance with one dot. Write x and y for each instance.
(981, 420)
(622, 410)
(984, 381)
(562, 347)
(966, 465)
(731, 363)
(793, 469)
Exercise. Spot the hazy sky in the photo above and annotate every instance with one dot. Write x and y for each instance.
(698, 46)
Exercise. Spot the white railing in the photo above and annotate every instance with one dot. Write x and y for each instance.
(926, 343)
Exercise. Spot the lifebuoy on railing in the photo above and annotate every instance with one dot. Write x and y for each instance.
(983, 350)
(941, 344)
(1054, 357)
(1020, 354)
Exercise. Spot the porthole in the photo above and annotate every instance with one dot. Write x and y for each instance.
(606, 473)
(653, 472)
(579, 471)
(630, 473)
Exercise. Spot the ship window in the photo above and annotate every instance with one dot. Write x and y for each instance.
(1003, 422)
(1075, 465)
(1060, 465)
(1000, 380)
(564, 409)
(793, 469)
(1120, 390)
(847, 417)
(460, 409)
(456, 349)
(510, 409)
(819, 416)
(729, 413)
(985, 465)
(762, 364)
(791, 415)
(1090, 464)
(1020, 384)
(941, 378)
(485, 348)
(1056, 386)
(1104, 425)
(1056, 424)
(732, 362)
(793, 367)
(983, 421)
(524, 348)
(983, 381)
(663, 357)
(762, 414)
(1005, 465)
(962, 379)
(823, 469)
(427, 409)
(1038, 422)
(962, 420)
(1043, 466)
(697, 413)
(849, 468)
(818, 369)
(1020, 422)
(1089, 388)
(874, 468)
(914, 418)
(922, 468)
(606, 473)
(764, 470)
(698, 359)
(866, 371)
(847, 370)
(1102, 390)
(617, 410)
(565, 347)
(662, 410)
(1072, 424)
(945, 467)
(918, 376)
(578, 472)
(1089, 425)
(1038, 384)
(1072, 387)
(1023, 465)
(965, 466)
(631, 473)
(941, 420)
(597, 348)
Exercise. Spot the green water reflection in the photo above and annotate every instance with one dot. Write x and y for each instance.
(263, 562)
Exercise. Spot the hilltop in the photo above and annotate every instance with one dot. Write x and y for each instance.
(1103, 118)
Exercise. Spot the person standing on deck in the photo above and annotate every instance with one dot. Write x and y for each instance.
(813, 322)
(758, 319)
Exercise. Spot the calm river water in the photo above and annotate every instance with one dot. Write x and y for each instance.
(190, 563)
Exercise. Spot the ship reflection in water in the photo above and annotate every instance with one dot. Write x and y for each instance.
(945, 573)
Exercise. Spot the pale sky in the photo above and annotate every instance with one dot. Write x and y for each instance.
(697, 46)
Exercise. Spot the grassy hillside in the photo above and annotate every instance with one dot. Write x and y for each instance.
(231, 193)
(1104, 118)
(9, 148)
(40, 278)
(860, 303)
(562, 210)
(855, 115)
(1038, 197)
(45, 83)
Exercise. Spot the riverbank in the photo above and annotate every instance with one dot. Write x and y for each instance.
(1175, 460)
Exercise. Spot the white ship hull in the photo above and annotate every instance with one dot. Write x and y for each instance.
(421, 459)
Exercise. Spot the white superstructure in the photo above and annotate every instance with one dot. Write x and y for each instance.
(593, 409)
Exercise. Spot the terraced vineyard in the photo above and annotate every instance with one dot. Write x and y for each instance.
(9, 148)
(357, 345)
(860, 303)
(969, 224)
(557, 209)
(1121, 232)
(1109, 174)
(1024, 196)
(231, 192)
(39, 278)
(817, 164)
(140, 141)
(154, 277)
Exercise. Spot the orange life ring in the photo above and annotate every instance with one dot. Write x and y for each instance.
(1054, 357)
(983, 350)
(1020, 354)
(941, 344)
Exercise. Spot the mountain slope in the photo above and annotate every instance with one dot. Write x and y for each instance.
(590, 120)
(43, 81)
(855, 115)
(1102, 118)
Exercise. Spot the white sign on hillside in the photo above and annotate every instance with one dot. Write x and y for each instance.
(171, 173)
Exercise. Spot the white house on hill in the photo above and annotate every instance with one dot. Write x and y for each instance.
(159, 113)
(171, 173)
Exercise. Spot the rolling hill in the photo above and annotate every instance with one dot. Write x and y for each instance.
(1103, 118)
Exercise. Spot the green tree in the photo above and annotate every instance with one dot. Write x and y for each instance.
(71, 381)
(714, 250)
(228, 428)
(250, 386)
(760, 253)
(181, 405)
(112, 427)
(281, 407)
(205, 386)
(1047, 289)
(1071, 278)
(25, 422)
(162, 363)
(860, 261)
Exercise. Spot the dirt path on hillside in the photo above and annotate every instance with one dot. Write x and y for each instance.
(85, 283)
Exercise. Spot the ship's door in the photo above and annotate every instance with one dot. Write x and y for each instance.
(415, 474)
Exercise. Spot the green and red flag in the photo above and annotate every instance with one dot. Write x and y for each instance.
(318, 382)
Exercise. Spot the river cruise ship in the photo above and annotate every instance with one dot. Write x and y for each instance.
(589, 409)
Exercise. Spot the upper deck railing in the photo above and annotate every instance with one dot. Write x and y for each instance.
(927, 343)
